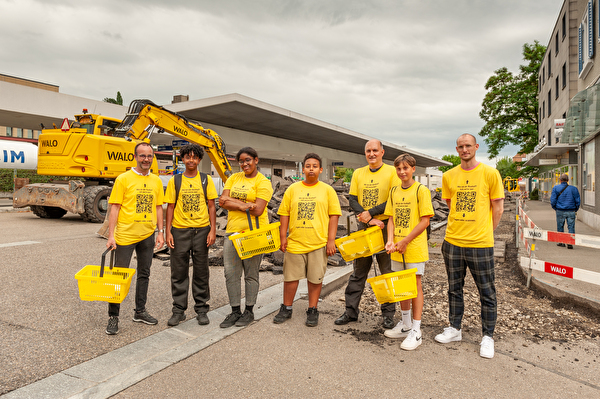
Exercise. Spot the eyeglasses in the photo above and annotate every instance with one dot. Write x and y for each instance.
(142, 156)
(247, 160)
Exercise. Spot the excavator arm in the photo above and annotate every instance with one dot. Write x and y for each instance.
(144, 118)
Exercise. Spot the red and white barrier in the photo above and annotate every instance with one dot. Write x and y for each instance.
(560, 270)
(527, 230)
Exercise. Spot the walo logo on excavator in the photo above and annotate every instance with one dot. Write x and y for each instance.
(120, 156)
(49, 143)
(179, 130)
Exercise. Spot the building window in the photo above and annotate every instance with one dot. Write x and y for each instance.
(543, 75)
(19, 132)
(543, 109)
(9, 131)
(585, 46)
(556, 44)
(549, 64)
(549, 103)
(564, 26)
(589, 173)
(29, 133)
(564, 75)
(556, 87)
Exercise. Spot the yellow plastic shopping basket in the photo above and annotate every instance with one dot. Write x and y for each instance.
(260, 240)
(97, 284)
(361, 243)
(396, 286)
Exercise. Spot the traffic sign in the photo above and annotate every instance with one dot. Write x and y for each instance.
(65, 125)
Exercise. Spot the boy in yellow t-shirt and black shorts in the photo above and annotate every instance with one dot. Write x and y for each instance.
(409, 207)
(311, 210)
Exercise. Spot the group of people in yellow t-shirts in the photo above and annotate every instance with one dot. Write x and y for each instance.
(380, 195)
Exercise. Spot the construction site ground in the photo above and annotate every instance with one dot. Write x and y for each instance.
(54, 345)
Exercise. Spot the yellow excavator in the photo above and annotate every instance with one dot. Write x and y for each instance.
(99, 149)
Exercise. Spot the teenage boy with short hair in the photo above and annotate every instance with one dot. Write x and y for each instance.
(191, 227)
(409, 207)
(311, 210)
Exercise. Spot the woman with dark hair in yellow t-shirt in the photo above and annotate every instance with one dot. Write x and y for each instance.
(247, 190)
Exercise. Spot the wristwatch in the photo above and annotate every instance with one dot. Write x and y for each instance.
(161, 230)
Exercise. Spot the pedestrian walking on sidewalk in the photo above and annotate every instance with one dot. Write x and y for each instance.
(475, 196)
(369, 190)
(409, 208)
(136, 211)
(311, 210)
(191, 229)
(565, 200)
(247, 190)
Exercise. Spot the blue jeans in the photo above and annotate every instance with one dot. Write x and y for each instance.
(560, 221)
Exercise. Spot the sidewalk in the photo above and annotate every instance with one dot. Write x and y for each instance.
(579, 257)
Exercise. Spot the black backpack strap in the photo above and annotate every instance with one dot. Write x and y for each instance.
(177, 180)
(203, 179)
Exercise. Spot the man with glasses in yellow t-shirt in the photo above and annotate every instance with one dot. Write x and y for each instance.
(136, 210)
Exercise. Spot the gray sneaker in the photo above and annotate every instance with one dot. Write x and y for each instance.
(113, 325)
(246, 318)
(230, 319)
(144, 317)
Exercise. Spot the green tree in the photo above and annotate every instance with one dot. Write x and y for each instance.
(510, 106)
(118, 100)
(507, 168)
(345, 173)
(454, 159)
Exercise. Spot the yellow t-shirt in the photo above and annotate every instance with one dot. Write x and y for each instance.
(191, 209)
(139, 196)
(406, 211)
(471, 193)
(373, 188)
(247, 190)
(309, 208)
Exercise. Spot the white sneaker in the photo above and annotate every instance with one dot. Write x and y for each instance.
(412, 341)
(450, 334)
(487, 347)
(400, 331)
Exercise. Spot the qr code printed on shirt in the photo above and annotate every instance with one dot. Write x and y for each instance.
(465, 201)
(370, 198)
(306, 210)
(402, 218)
(238, 195)
(143, 203)
(190, 202)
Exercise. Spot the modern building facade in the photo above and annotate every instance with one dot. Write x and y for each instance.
(569, 100)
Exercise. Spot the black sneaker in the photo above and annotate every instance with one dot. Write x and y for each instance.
(176, 319)
(283, 315)
(246, 318)
(312, 317)
(202, 318)
(230, 319)
(144, 317)
(113, 325)
(388, 322)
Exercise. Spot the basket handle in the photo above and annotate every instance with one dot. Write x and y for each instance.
(250, 219)
(112, 257)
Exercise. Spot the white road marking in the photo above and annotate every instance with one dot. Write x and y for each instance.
(14, 244)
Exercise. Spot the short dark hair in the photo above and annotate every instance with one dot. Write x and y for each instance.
(405, 158)
(246, 150)
(141, 144)
(564, 177)
(312, 155)
(467, 134)
(191, 150)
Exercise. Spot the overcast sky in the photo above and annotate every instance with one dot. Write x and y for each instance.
(407, 72)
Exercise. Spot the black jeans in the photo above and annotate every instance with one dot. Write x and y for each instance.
(357, 280)
(191, 240)
(144, 251)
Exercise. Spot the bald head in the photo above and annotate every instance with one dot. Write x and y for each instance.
(564, 177)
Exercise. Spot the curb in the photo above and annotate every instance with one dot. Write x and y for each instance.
(109, 374)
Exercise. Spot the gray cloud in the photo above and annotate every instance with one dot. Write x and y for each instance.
(409, 72)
